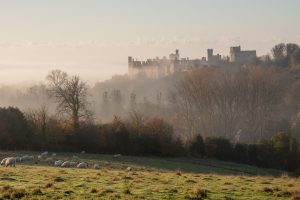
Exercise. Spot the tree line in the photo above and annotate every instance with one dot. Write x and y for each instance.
(136, 136)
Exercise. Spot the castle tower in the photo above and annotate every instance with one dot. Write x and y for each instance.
(177, 54)
(210, 53)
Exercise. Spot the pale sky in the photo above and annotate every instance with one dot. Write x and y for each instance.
(93, 38)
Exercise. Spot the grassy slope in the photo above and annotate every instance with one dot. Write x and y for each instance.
(151, 178)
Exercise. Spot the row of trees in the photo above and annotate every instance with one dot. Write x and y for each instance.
(281, 152)
(142, 137)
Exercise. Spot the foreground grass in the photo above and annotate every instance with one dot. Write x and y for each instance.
(151, 178)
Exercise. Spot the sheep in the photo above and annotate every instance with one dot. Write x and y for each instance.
(11, 161)
(43, 155)
(3, 162)
(69, 164)
(82, 165)
(53, 154)
(50, 160)
(26, 158)
(96, 166)
(58, 163)
(18, 159)
(82, 152)
(30, 158)
(73, 164)
(117, 155)
(66, 164)
(106, 163)
(128, 169)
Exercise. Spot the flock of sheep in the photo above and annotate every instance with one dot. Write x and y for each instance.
(50, 159)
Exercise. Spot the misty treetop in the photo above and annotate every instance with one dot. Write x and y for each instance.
(241, 103)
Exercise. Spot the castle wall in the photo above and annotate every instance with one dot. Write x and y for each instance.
(240, 57)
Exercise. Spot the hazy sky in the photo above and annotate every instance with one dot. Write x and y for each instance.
(93, 38)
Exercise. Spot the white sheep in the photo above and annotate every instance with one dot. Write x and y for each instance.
(106, 163)
(53, 154)
(73, 164)
(58, 163)
(50, 160)
(11, 161)
(128, 169)
(26, 158)
(44, 154)
(18, 159)
(96, 166)
(30, 158)
(82, 152)
(3, 161)
(66, 164)
(82, 165)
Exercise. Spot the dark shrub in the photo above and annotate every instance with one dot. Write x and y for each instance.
(196, 146)
(240, 153)
(218, 148)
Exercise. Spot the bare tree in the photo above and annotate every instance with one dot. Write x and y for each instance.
(227, 102)
(70, 93)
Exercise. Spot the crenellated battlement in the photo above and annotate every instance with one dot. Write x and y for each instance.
(161, 67)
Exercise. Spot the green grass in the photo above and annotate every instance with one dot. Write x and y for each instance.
(151, 178)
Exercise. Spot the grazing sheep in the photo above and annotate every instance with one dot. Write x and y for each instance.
(82, 165)
(73, 164)
(30, 158)
(26, 158)
(66, 164)
(58, 163)
(106, 163)
(11, 161)
(82, 152)
(96, 166)
(43, 155)
(128, 169)
(50, 160)
(3, 161)
(117, 155)
(53, 154)
(18, 159)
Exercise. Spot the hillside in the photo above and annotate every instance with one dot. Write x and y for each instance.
(150, 178)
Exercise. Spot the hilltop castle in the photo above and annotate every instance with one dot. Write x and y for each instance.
(161, 67)
(241, 57)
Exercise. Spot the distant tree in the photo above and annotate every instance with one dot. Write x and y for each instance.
(291, 48)
(278, 51)
(14, 131)
(279, 55)
(286, 150)
(295, 58)
(70, 93)
(196, 146)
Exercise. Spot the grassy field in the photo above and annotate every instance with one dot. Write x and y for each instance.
(150, 178)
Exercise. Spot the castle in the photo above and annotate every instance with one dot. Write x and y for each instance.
(241, 57)
(161, 67)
